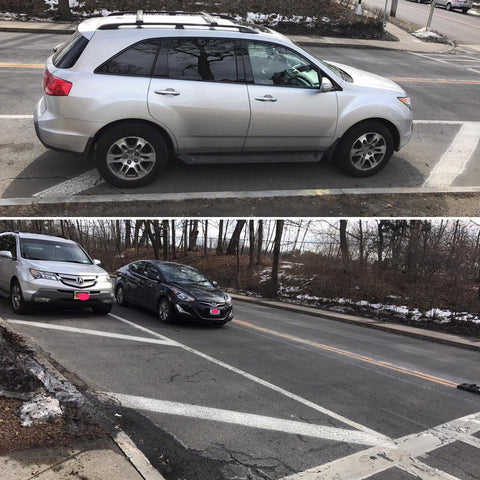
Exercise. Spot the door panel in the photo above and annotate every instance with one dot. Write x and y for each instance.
(197, 93)
(288, 110)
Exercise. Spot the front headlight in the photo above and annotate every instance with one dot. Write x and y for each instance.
(105, 278)
(182, 296)
(228, 299)
(406, 101)
(38, 274)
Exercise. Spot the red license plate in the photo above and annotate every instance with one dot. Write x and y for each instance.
(214, 311)
(83, 296)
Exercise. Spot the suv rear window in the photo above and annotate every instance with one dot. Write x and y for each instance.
(68, 54)
(207, 59)
(136, 60)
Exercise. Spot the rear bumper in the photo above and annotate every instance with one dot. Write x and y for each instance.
(65, 297)
(58, 133)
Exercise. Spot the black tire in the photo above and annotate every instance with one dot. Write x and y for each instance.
(102, 309)
(352, 137)
(448, 7)
(120, 296)
(131, 130)
(465, 10)
(19, 305)
(166, 315)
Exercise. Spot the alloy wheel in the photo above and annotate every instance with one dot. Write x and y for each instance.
(16, 297)
(368, 151)
(131, 158)
(164, 310)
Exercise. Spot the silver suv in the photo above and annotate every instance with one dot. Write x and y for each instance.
(141, 88)
(40, 269)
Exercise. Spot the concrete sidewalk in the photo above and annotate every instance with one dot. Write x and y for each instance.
(406, 41)
(439, 337)
(92, 460)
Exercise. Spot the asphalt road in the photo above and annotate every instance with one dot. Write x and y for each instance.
(270, 395)
(463, 29)
(443, 88)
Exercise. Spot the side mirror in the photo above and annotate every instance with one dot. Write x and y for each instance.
(6, 254)
(326, 85)
(97, 262)
(215, 283)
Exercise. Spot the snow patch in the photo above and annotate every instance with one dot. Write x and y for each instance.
(41, 408)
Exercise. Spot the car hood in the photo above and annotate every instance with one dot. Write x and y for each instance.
(369, 80)
(66, 268)
(204, 294)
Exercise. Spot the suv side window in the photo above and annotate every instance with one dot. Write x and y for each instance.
(69, 52)
(136, 60)
(279, 66)
(204, 59)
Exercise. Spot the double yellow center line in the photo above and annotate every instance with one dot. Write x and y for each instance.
(345, 353)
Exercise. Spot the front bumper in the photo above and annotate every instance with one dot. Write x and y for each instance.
(198, 313)
(65, 297)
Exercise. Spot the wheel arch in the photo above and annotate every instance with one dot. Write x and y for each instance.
(167, 136)
(387, 123)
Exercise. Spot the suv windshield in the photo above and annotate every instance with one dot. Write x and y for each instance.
(33, 249)
(181, 274)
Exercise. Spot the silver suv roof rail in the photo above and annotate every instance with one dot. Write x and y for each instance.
(210, 20)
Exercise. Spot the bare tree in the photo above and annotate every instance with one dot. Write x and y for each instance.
(165, 239)
(344, 246)
(220, 238)
(276, 258)
(234, 243)
(251, 230)
(259, 242)
(64, 10)
(174, 242)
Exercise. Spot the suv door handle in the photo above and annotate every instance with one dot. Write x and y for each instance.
(168, 91)
(266, 98)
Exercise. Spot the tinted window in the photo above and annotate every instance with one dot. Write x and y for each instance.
(183, 274)
(279, 66)
(137, 267)
(136, 60)
(34, 249)
(150, 268)
(69, 52)
(207, 59)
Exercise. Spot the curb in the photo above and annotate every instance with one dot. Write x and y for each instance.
(412, 332)
(126, 445)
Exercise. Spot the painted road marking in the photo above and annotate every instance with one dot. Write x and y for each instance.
(456, 158)
(22, 65)
(246, 419)
(264, 383)
(15, 117)
(362, 358)
(73, 186)
(362, 465)
(93, 332)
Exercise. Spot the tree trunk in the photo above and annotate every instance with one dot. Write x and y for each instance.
(165, 239)
(128, 234)
(344, 246)
(234, 243)
(361, 246)
(192, 244)
(252, 243)
(412, 249)
(185, 238)
(276, 258)
(393, 8)
(380, 242)
(259, 242)
(205, 239)
(220, 238)
(64, 11)
(174, 242)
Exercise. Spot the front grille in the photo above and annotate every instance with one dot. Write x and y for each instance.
(78, 281)
(213, 304)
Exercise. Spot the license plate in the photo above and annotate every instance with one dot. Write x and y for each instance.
(214, 311)
(81, 296)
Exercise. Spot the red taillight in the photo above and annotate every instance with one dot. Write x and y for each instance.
(55, 86)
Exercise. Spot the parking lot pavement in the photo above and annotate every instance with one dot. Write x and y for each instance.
(441, 154)
(271, 395)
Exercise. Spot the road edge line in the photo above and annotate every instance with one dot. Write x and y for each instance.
(360, 321)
